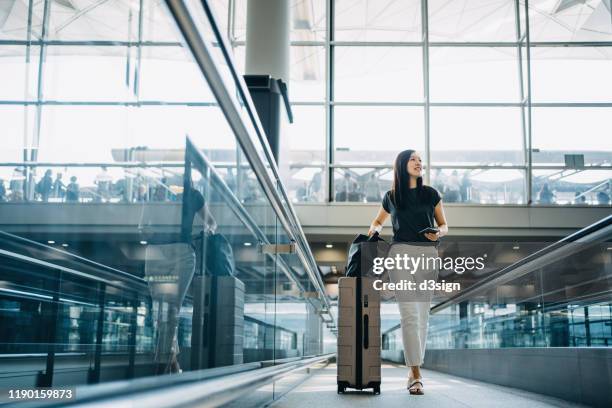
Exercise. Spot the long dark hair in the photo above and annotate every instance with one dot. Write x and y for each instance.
(401, 181)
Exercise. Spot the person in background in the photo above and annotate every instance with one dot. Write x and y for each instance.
(72, 191)
(45, 186)
(578, 198)
(466, 187)
(160, 193)
(372, 189)
(453, 187)
(315, 187)
(603, 198)
(16, 185)
(2, 191)
(103, 181)
(343, 188)
(59, 189)
(546, 196)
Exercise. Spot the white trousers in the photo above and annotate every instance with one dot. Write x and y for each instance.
(413, 307)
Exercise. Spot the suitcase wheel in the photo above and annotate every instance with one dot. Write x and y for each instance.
(341, 388)
(377, 389)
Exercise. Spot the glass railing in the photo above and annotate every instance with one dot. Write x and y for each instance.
(559, 296)
(168, 243)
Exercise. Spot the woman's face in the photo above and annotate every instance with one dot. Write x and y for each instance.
(415, 166)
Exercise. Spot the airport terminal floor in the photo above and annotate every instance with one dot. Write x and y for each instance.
(443, 390)
(200, 200)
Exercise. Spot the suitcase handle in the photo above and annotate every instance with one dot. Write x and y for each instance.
(365, 332)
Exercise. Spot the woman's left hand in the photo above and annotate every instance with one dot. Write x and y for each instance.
(432, 236)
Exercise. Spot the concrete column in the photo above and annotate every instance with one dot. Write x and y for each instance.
(267, 38)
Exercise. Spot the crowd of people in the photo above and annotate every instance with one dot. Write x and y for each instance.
(54, 188)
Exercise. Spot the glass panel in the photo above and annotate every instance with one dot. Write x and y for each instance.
(373, 74)
(307, 74)
(393, 128)
(18, 124)
(556, 74)
(186, 84)
(307, 154)
(13, 23)
(309, 21)
(69, 74)
(578, 187)
(362, 184)
(382, 20)
(570, 21)
(560, 131)
(476, 136)
(84, 22)
(480, 20)
(20, 64)
(480, 186)
(474, 74)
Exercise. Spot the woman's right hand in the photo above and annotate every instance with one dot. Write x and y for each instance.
(373, 229)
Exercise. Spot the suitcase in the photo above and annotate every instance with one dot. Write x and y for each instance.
(358, 356)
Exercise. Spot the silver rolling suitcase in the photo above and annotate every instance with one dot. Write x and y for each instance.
(358, 356)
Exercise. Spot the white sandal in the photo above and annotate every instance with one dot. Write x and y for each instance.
(416, 391)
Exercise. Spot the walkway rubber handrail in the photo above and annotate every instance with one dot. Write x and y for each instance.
(246, 131)
(514, 270)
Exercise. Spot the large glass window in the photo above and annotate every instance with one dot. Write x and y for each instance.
(378, 74)
(382, 20)
(375, 134)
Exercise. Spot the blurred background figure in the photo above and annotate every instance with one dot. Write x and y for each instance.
(372, 189)
(72, 191)
(16, 185)
(103, 181)
(315, 187)
(45, 186)
(579, 198)
(2, 190)
(466, 187)
(59, 189)
(343, 188)
(453, 188)
(546, 196)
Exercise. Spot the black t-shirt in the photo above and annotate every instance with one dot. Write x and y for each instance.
(416, 216)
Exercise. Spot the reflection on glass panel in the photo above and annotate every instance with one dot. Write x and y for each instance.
(80, 73)
(382, 20)
(362, 185)
(468, 74)
(390, 74)
(570, 20)
(476, 136)
(560, 131)
(307, 74)
(309, 21)
(13, 25)
(392, 128)
(572, 186)
(480, 186)
(559, 74)
(479, 20)
(21, 66)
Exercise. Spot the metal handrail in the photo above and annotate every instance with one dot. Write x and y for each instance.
(246, 132)
(523, 266)
(202, 388)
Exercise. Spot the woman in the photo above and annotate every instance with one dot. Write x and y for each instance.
(413, 207)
